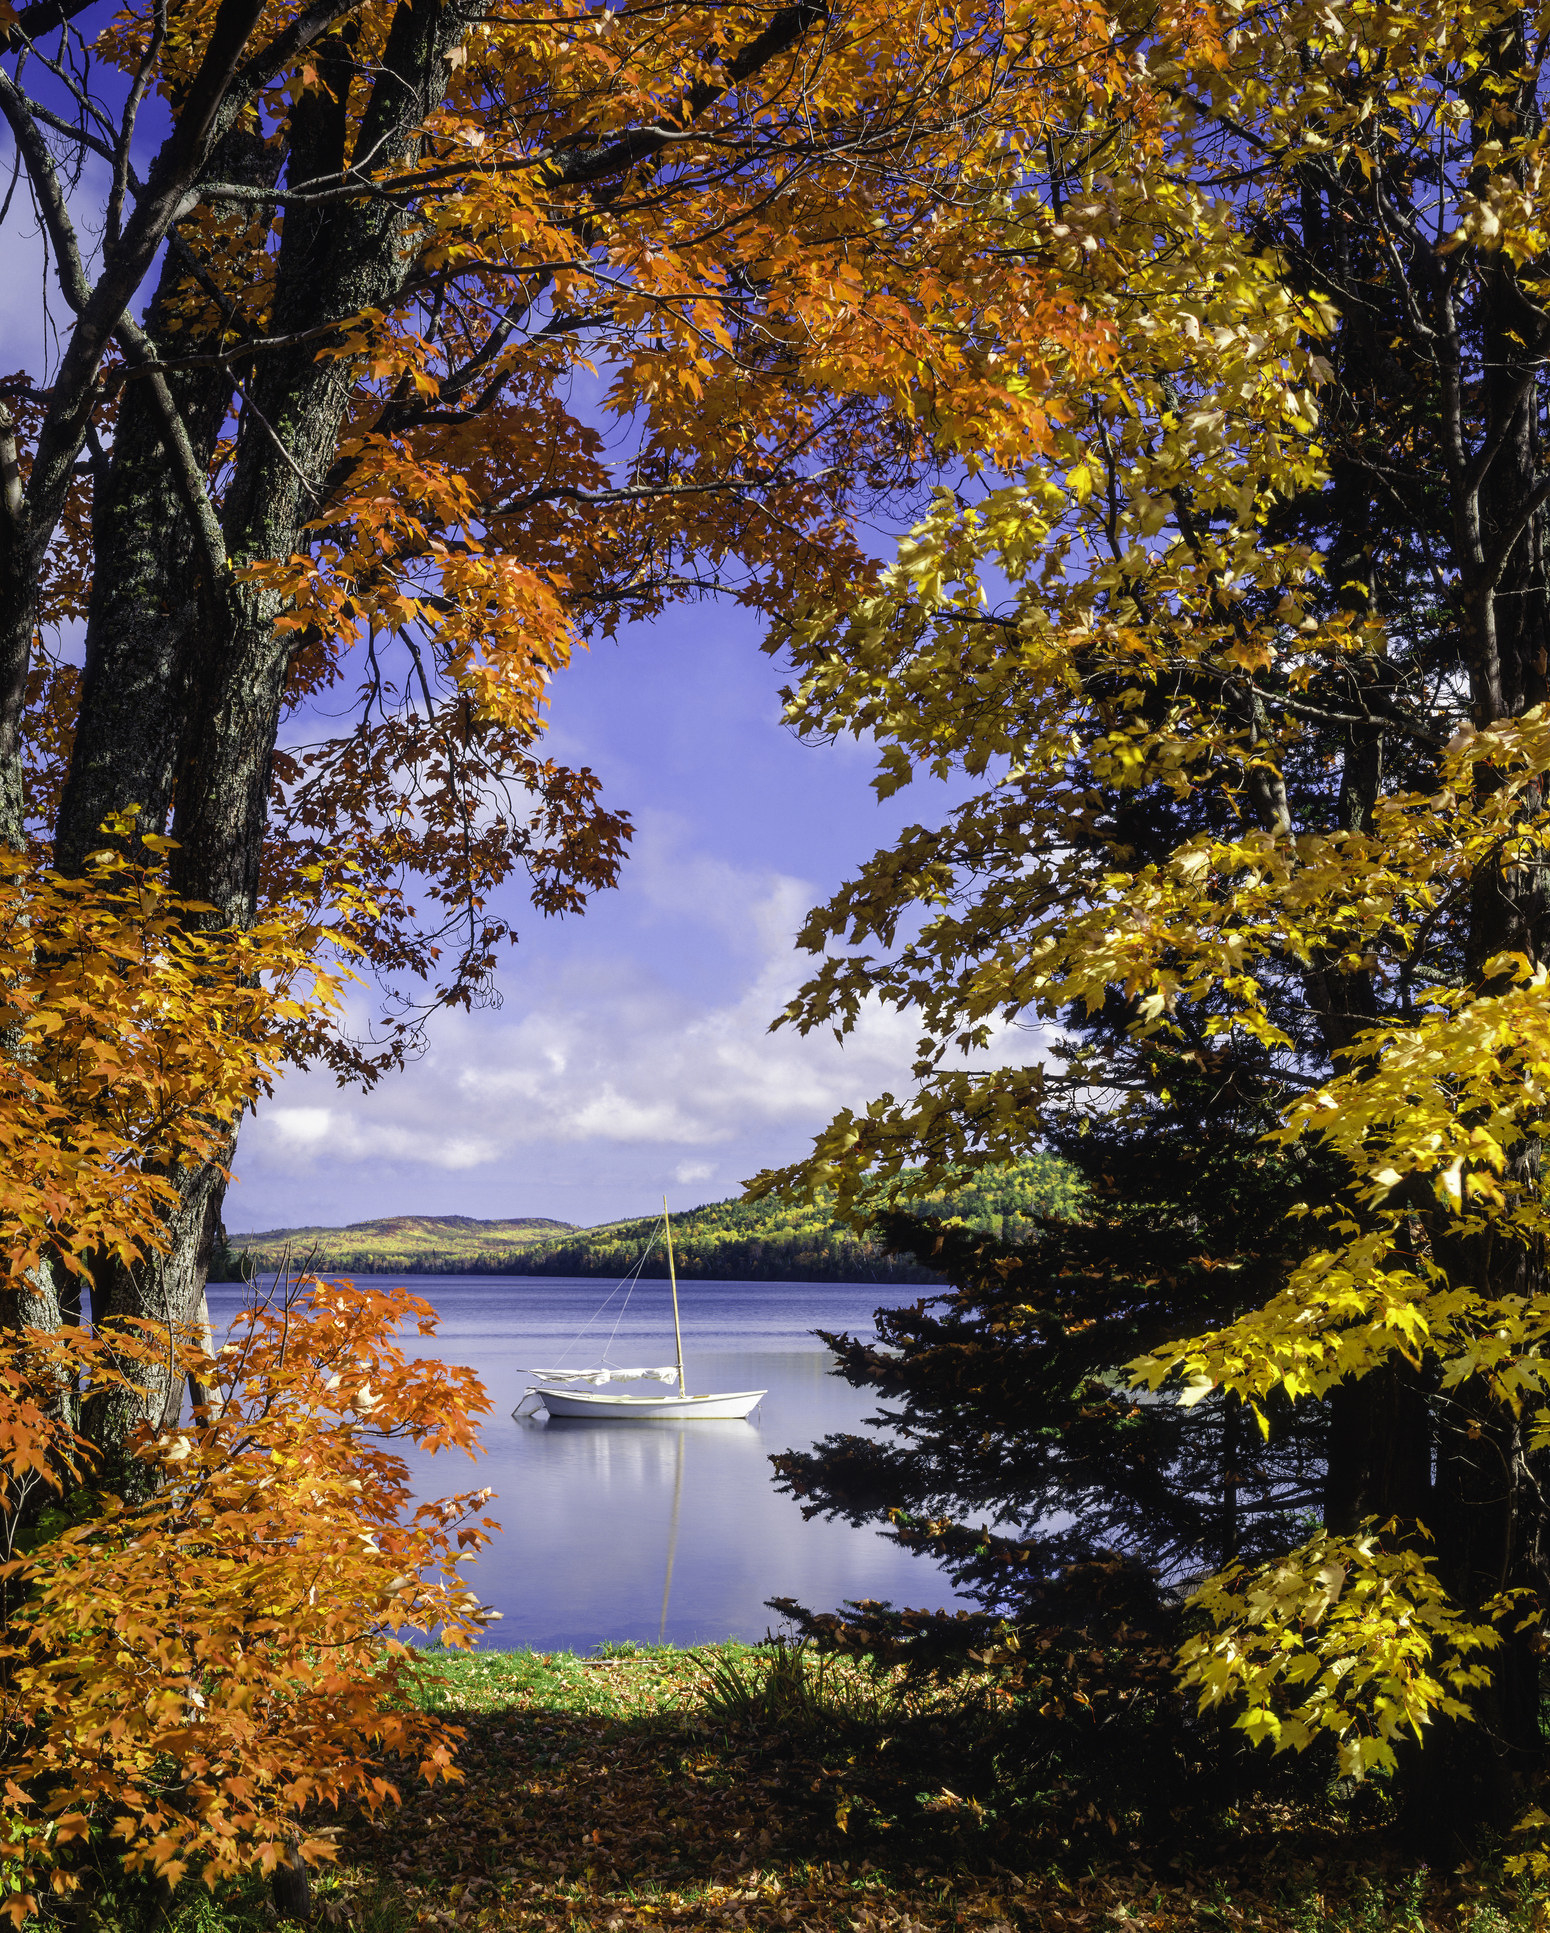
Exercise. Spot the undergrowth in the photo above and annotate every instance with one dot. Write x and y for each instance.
(772, 1789)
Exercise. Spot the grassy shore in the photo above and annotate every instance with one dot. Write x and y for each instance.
(631, 1793)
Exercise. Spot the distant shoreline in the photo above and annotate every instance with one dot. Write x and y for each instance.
(724, 1241)
(885, 1275)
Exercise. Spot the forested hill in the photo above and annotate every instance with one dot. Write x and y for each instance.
(416, 1244)
(777, 1241)
(735, 1241)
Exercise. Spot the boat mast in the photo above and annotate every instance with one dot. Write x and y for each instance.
(672, 1537)
(672, 1276)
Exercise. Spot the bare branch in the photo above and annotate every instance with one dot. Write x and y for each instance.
(1496, 563)
(41, 18)
(643, 144)
(71, 130)
(44, 177)
(1321, 715)
(630, 493)
(126, 131)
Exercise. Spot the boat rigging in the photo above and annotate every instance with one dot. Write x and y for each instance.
(561, 1391)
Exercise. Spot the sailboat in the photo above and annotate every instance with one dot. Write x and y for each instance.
(563, 1392)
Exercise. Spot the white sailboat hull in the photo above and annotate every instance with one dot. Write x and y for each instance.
(602, 1404)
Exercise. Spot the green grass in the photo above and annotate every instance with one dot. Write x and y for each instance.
(617, 1681)
(644, 1787)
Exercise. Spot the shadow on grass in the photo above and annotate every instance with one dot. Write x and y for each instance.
(757, 1789)
(736, 1790)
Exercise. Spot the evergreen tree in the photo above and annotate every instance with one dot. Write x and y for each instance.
(1266, 711)
(1011, 1445)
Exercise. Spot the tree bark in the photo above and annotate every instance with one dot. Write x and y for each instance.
(145, 582)
(291, 1888)
(186, 673)
(1380, 1450)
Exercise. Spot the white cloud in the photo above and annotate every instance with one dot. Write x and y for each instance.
(609, 1061)
(627, 1059)
(299, 1127)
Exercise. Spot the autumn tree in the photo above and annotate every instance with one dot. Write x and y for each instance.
(1254, 668)
(406, 347)
(202, 1627)
(189, 1676)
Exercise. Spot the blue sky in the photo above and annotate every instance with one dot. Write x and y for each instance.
(630, 1056)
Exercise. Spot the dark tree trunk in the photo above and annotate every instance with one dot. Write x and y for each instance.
(1434, 431)
(20, 563)
(291, 1888)
(141, 627)
(186, 672)
(330, 266)
(144, 606)
(170, 1291)
(1380, 1450)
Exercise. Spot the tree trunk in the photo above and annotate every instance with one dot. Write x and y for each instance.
(1380, 1450)
(141, 624)
(186, 673)
(169, 1290)
(291, 1888)
(144, 604)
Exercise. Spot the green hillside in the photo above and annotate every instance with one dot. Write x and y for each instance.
(743, 1241)
(416, 1244)
(738, 1241)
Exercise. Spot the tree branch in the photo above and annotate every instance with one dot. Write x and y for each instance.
(187, 472)
(41, 18)
(44, 177)
(115, 212)
(628, 493)
(641, 144)
(1384, 715)
(1496, 563)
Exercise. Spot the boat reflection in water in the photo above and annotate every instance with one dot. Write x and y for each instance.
(637, 1454)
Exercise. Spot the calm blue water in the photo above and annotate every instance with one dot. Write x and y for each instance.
(653, 1531)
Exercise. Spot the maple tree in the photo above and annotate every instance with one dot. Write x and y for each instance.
(410, 345)
(1259, 703)
(406, 345)
(203, 1630)
(185, 1673)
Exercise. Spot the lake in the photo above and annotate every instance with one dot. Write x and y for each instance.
(663, 1531)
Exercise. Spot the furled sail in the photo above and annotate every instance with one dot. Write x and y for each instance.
(596, 1376)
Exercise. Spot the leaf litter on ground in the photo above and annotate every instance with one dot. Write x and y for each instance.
(599, 1798)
